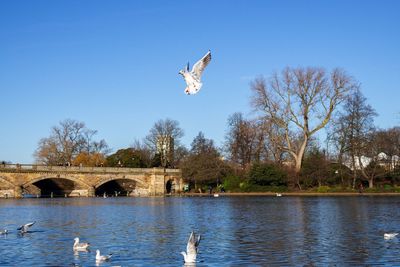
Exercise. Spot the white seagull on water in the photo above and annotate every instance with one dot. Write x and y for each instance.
(80, 246)
(390, 235)
(24, 228)
(193, 77)
(100, 258)
(191, 248)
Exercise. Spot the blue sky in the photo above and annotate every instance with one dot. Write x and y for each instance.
(114, 64)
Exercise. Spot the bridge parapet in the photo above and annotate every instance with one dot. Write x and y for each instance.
(80, 169)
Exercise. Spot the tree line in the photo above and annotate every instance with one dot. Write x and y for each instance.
(310, 129)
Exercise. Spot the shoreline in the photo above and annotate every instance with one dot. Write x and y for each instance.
(305, 194)
(248, 194)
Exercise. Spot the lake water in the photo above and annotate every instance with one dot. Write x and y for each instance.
(236, 231)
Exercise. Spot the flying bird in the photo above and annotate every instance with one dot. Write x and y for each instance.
(191, 248)
(100, 258)
(24, 228)
(193, 77)
(80, 246)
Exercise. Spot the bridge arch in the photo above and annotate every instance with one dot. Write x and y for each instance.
(140, 182)
(121, 186)
(56, 185)
(71, 178)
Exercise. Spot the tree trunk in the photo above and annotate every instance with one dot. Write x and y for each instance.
(371, 182)
(340, 161)
(369, 178)
(298, 158)
(354, 171)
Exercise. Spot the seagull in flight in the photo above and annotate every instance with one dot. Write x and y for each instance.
(191, 248)
(80, 246)
(193, 77)
(24, 228)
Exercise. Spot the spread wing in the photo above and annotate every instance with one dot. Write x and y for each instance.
(26, 226)
(192, 244)
(200, 65)
(30, 224)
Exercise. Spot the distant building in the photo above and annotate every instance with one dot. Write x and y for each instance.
(382, 159)
(165, 148)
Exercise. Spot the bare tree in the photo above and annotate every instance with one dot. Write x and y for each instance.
(241, 140)
(356, 131)
(162, 138)
(66, 141)
(299, 103)
(338, 139)
(389, 143)
(274, 140)
(369, 160)
(92, 146)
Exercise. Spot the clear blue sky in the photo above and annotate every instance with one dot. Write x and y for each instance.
(114, 64)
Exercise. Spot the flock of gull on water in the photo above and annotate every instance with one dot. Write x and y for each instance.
(189, 256)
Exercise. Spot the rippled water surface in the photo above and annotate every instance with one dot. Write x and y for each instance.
(236, 231)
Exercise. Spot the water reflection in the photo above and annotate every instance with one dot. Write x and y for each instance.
(236, 231)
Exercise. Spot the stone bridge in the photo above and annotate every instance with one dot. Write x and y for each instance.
(19, 180)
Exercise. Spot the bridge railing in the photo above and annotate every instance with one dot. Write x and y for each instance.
(37, 167)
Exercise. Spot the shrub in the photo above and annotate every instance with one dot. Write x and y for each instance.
(232, 183)
(323, 189)
(267, 175)
(388, 187)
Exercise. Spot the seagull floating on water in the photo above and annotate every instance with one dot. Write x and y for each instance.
(24, 228)
(100, 258)
(191, 248)
(278, 194)
(390, 235)
(80, 246)
(193, 77)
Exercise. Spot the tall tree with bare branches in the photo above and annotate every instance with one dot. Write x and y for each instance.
(358, 129)
(299, 102)
(66, 141)
(241, 140)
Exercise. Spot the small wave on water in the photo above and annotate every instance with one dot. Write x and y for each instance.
(236, 231)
